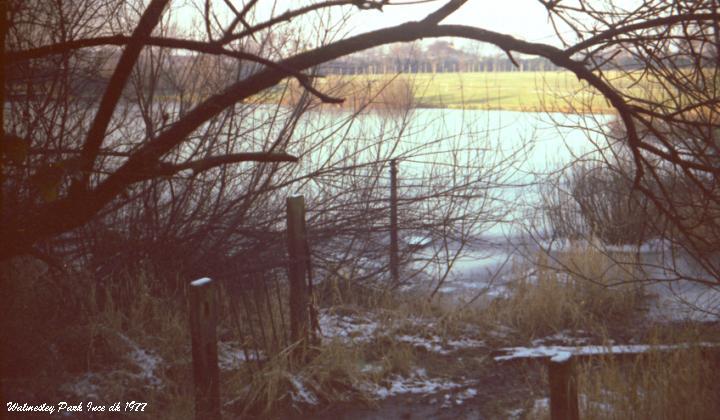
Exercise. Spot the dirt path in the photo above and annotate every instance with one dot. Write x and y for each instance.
(491, 391)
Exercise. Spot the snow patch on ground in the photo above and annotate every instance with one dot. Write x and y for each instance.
(85, 386)
(570, 338)
(515, 414)
(146, 361)
(540, 405)
(416, 383)
(349, 329)
(460, 397)
(361, 328)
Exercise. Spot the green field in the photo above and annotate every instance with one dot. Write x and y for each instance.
(531, 91)
(554, 91)
(522, 91)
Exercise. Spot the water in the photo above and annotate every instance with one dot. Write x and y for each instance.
(506, 152)
(498, 156)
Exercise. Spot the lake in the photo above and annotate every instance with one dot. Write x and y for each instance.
(497, 158)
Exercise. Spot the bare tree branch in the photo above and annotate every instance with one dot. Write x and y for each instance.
(104, 114)
(201, 165)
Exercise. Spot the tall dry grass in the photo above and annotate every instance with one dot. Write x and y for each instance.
(659, 385)
(65, 337)
(578, 289)
(331, 374)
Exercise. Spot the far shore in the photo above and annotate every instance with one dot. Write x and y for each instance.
(548, 91)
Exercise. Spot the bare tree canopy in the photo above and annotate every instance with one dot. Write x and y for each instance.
(673, 47)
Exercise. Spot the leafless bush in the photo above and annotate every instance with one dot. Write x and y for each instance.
(597, 199)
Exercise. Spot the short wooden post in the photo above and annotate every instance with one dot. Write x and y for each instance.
(394, 248)
(563, 387)
(297, 252)
(203, 322)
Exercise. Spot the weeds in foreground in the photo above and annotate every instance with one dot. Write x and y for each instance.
(663, 384)
(127, 341)
(581, 289)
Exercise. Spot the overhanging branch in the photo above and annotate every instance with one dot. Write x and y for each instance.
(76, 208)
(201, 165)
(96, 133)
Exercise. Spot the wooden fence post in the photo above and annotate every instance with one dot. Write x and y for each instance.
(203, 322)
(394, 248)
(563, 387)
(297, 252)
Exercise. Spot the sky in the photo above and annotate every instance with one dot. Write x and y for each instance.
(526, 19)
(498, 15)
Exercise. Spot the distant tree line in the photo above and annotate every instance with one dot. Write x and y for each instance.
(439, 57)
(444, 57)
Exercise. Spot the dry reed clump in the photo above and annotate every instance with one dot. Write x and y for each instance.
(658, 385)
(280, 383)
(343, 368)
(335, 372)
(582, 288)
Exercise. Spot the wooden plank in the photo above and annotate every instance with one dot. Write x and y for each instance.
(203, 331)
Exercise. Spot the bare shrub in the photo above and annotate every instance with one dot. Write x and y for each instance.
(596, 198)
(614, 212)
(398, 94)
